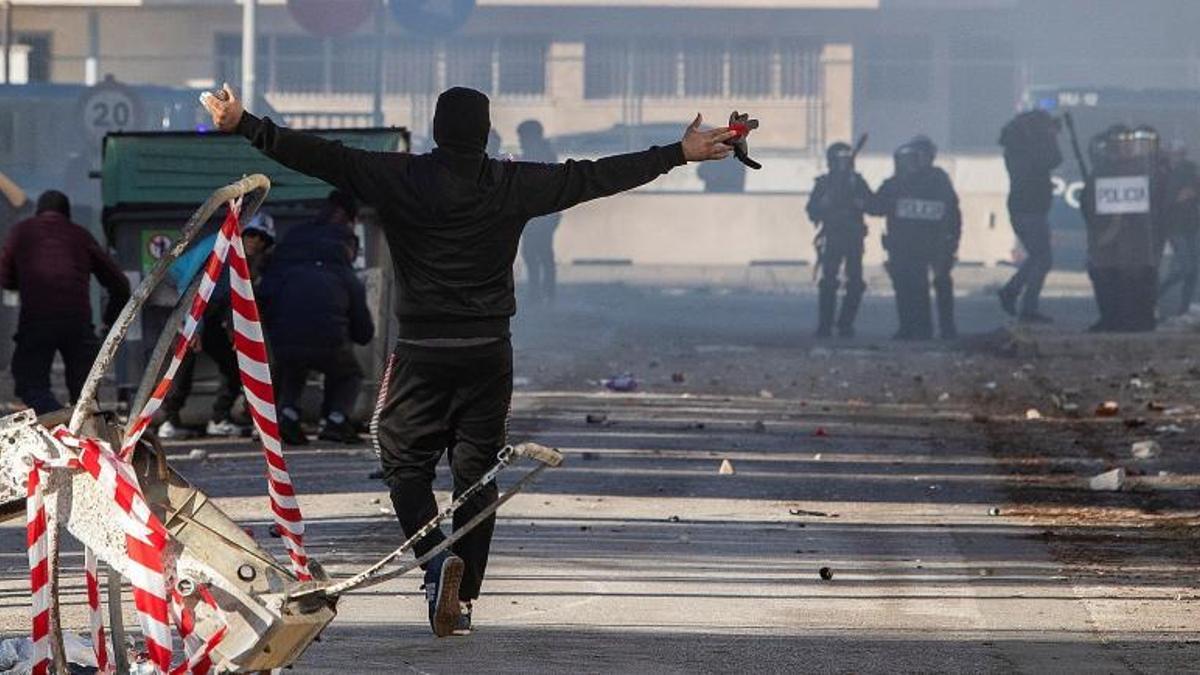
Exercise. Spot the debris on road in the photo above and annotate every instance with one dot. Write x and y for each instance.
(596, 418)
(820, 432)
(759, 427)
(625, 382)
(673, 519)
(1169, 429)
(1108, 409)
(1109, 481)
(590, 456)
(678, 378)
(943, 397)
(826, 574)
(1146, 449)
(765, 393)
(1033, 414)
(994, 511)
(726, 468)
(817, 514)
(197, 455)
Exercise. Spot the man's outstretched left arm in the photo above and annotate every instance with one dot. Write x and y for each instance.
(547, 188)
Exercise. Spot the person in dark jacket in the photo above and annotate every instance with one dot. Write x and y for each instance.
(315, 308)
(1181, 212)
(924, 225)
(1030, 153)
(537, 242)
(453, 219)
(49, 261)
(836, 208)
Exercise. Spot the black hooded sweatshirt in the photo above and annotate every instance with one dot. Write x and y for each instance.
(453, 218)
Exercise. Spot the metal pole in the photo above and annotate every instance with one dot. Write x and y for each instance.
(380, 38)
(8, 39)
(249, 53)
(92, 68)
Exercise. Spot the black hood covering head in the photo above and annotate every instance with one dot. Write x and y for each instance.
(462, 120)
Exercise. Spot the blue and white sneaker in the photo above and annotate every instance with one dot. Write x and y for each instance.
(442, 578)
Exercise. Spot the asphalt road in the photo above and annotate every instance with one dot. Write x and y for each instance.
(637, 556)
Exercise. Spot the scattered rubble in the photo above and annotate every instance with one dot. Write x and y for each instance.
(625, 382)
(1109, 481)
(1146, 449)
(726, 468)
(826, 574)
(1033, 414)
(1108, 409)
(816, 514)
(596, 418)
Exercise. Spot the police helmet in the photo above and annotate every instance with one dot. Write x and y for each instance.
(840, 157)
(907, 159)
(926, 150)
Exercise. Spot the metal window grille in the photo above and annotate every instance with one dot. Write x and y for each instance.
(521, 65)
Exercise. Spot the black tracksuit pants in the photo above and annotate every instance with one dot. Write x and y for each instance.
(452, 400)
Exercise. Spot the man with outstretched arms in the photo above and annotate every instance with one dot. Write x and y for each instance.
(453, 219)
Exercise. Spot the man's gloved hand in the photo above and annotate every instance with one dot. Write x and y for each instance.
(225, 108)
(742, 125)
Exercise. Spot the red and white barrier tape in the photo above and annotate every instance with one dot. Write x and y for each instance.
(145, 537)
(95, 616)
(145, 540)
(251, 349)
(39, 570)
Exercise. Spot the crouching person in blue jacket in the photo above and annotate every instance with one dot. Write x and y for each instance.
(315, 310)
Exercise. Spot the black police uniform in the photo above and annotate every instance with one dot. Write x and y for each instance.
(1181, 213)
(836, 207)
(924, 225)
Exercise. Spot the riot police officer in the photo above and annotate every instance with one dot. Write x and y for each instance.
(1181, 217)
(924, 225)
(836, 209)
(1124, 233)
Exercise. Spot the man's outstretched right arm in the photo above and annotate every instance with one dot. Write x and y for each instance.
(359, 172)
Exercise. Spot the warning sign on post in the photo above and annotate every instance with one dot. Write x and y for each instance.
(156, 244)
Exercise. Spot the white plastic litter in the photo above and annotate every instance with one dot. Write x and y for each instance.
(15, 654)
(1146, 449)
(1109, 481)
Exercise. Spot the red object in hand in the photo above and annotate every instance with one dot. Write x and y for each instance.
(740, 129)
